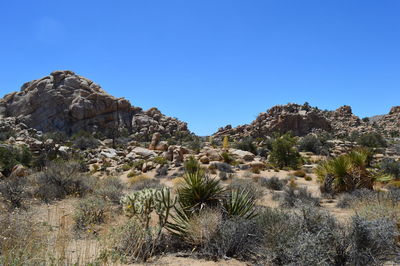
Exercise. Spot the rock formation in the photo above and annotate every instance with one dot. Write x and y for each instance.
(300, 120)
(64, 101)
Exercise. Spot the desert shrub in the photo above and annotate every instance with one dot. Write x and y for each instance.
(296, 197)
(227, 157)
(84, 140)
(160, 160)
(346, 172)
(13, 192)
(222, 167)
(300, 173)
(146, 183)
(57, 136)
(310, 143)
(391, 167)
(11, 156)
(62, 179)
(195, 145)
(192, 165)
(110, 189)
(247, 145)
(21, 239)
(248, 185)
(372, 241)
(273, 183)
(133, 243)
(202, 227)
(313, 237)
(283, 152)
(308, 178)
(90, 211)
(236, 237)
(347, 200)
(6, 134)
(138, 165)
(371, 140)
(162, 171)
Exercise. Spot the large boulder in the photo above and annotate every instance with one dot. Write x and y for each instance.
(244, 155)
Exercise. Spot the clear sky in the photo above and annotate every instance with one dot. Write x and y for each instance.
(212, 62)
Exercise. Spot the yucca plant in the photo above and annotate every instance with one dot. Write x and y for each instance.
(240, 203)
(198, 191)
(346, 172)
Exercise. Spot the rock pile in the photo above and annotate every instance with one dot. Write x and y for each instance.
(66, 102)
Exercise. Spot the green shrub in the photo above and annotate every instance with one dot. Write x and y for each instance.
(160, 160)
(371, 140)
(84, 140)
(192, 165)
(283, 152)
(10, 156)
(391, 167)
(227, 158)
(300, 173)
(89, 212)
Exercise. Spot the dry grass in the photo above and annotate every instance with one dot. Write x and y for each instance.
(203, 226)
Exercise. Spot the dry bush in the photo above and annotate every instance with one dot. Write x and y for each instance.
(89, 212)
(60, 180)
(110, 189)
(236, 237)
(273, 183)
(248, 185)
(132, 243)
(203, 226)
(13, 192)
(21, 240)
(296, 197)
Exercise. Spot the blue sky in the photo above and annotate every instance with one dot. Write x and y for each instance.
(212, 62)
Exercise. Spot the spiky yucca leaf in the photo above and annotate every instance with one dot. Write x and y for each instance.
(199, 191)
(240, 204)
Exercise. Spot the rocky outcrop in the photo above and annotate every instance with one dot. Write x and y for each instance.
(300, 120)
(64, 101)
(389, 123)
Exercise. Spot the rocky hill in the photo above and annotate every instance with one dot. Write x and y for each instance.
(67, 102)
(304, 119)
(389, 123)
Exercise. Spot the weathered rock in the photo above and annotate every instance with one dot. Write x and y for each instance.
(245, 155)
(144, 153)
(162, 146)
(109, 153)
(154, 141)
(64, 101)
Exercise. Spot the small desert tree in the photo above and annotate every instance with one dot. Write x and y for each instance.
(284, 153)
